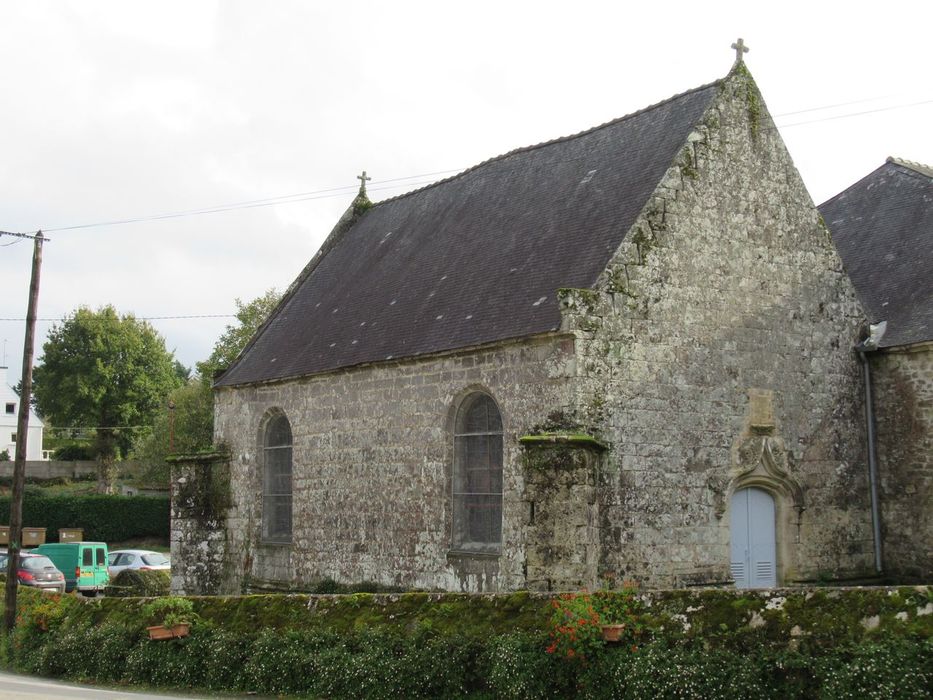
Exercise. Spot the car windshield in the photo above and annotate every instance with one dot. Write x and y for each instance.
(155, 559)
(37, 563)
(112, 559)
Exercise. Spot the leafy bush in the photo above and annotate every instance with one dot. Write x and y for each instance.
(577, 620)
(104, 518)
(179, 663)
(282, 653)
(228, 653)
(886, 669)
(656, 671)
(169, 611)
(516, 666)
(139, 583)
(286, 663)
(69, 652)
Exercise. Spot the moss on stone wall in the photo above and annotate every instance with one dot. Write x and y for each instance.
(752, 97)
(709, 644)
(721, 617)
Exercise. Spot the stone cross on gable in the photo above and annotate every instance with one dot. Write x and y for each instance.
(740, 48)
(363, 178)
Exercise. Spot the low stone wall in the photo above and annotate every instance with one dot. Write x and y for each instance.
(700, 643)
(781, 617)
(52, 469)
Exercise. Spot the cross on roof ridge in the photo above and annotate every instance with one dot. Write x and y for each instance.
(363, 178)
(740, 48)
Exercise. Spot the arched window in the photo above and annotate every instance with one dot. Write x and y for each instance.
(477, 475)
(277, 481)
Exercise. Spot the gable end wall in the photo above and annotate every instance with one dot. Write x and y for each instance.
(727, 287)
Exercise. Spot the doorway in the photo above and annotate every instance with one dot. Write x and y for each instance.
(752, 527)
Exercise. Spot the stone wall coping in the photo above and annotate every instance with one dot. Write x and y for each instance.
(649, 593)
(581, 440)
(211, 456)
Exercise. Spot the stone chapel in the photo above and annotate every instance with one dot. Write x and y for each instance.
(621, 354)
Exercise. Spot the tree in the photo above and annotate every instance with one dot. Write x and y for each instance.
(250, 317)
(191, 425)
(104, 371)
(186, 428)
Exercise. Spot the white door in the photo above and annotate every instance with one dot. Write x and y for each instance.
(753, 543)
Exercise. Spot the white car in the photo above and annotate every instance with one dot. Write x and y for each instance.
(144, 559)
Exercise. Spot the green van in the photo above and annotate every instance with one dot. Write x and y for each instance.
(83, 563)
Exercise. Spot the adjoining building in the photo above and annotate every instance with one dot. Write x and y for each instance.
(883, 228)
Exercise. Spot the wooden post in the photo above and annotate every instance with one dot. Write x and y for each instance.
(22, 427)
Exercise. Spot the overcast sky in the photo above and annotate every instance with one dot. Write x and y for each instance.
(122, 110)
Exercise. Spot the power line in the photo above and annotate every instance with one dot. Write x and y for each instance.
(856, 114)
(77, 428)
(820, 109)
(23, 235)
(253, 203)
(137, 318)
(344, 190)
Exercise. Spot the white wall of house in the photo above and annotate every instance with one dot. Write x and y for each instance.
(9, 411)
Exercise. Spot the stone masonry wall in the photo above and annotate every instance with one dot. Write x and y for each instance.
(561, 530)
(715, 352)
(372, 449)
(200, 498)
(902, 381)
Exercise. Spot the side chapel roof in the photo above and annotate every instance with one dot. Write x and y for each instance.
(474, 258)
(883, 228)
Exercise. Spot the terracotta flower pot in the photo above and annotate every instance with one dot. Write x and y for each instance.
(163, 632)
(612, 633)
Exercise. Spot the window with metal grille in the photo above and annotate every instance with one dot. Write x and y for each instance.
(477, 476)
(277, 482)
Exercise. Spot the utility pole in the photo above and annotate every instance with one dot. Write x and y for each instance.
(22, 427)
(171, 426)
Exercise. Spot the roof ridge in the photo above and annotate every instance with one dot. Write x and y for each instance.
(912, 165)
(559, 139)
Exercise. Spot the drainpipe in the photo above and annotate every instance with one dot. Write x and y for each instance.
(870, 344)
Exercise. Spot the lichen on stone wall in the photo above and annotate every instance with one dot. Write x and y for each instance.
(584, 302)
(688, 166)
(752, 98)
(200, 501)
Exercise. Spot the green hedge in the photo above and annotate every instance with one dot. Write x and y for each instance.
(391, 647)
(135, 583)
(104, 518)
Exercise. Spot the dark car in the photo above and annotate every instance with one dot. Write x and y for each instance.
(36, 570)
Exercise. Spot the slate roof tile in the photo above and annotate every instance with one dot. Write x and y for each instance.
(883, 228)
(474, 258)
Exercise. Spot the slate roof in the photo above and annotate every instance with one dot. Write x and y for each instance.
(883, 228)
(475, 258)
